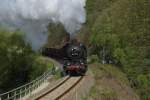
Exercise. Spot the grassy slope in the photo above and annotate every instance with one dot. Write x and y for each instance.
(110, 84)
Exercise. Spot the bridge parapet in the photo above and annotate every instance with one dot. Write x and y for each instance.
(28, 88)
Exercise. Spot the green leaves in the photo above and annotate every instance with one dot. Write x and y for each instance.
(57, 35)
(14, 59)
(18, 63)
(120, 31)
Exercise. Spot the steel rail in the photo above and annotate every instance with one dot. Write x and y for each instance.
(59, 85)
(54, 88)
(70, 88)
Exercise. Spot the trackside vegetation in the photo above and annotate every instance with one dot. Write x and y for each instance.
(118, 32)
(18, 63)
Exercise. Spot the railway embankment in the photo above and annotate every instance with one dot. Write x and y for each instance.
(110, 84)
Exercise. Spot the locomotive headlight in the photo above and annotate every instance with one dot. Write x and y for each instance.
(68, 64)
(82, 63)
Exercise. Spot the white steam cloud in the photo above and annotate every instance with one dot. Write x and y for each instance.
(33, 16)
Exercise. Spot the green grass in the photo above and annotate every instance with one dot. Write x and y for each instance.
(101, 89)
(104, 94)
(101, 70)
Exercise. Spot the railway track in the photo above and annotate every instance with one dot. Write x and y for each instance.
(60, 89)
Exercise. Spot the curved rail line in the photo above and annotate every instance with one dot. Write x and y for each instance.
(69, 89)
(59, 85)
(54, 88)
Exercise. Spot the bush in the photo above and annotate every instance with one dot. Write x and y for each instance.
(18, 64)
(93, 58)
(39, 66)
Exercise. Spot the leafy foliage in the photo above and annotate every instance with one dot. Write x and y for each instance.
(18, 63)
(119, 34)
(57, 35)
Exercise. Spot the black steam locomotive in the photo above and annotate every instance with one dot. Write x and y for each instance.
(72, 55)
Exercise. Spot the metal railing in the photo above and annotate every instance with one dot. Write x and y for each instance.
(28, 88)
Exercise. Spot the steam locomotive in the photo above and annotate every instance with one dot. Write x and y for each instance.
(73, 56)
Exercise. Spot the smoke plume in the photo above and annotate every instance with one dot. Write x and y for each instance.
(33, 16)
